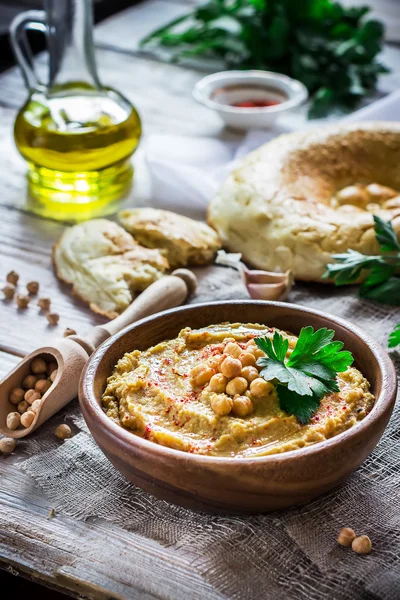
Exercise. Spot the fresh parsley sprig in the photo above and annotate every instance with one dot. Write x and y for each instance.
(380, 282)
(333, 49)
(308, 374)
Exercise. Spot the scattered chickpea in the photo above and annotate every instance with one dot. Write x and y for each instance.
(51, 366)
(346, 536)
(13, 420)
(44, 303)
(32, 287)
(38, 365)
(27, 418)
(63, 431)
(242, 406)
(221, 404)
(247, 359)
(249, 373)
(218, 383)
(53, 318)
(42, 386)
(362, 544)
(36, 405)
(213, 363)
(201, 374)
(9, 291)
(12, 277)
(69, 331)
(22, 301)
(23, 407)
(31, 396)
(237, 385)
(7, 445)
(232, 349)
(231, 367)
(16, 395)
(259, 387)
(53, 376)
(28, 383)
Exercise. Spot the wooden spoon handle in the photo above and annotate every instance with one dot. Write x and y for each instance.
(168, 292)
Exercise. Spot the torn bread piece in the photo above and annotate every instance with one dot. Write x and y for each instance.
(183, 240)
(106, 267)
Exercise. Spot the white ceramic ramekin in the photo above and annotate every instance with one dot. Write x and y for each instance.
(215, 90)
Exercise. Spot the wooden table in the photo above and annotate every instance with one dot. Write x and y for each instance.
(51, 551)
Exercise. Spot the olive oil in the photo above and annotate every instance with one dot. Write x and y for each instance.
(78, 142)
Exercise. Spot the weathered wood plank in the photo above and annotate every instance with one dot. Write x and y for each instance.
(73, 553)
(7, 362)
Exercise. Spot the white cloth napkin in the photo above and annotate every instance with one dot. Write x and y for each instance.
(187, 180)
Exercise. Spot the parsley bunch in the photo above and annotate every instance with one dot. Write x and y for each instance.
(308, 374)
(331, 48)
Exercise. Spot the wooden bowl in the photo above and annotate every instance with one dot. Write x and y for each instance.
(237, 484)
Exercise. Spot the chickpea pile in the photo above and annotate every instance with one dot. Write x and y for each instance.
(367, 197)
(233, 379)
(28, 398)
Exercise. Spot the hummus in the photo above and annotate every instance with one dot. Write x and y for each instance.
(152, 393)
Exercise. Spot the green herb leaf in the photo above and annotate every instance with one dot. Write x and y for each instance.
(394, 337)
(386, 235)
(309, 372)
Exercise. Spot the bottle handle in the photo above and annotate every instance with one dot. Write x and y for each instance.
(34, 20)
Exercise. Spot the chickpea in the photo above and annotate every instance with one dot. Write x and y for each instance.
(38, 365)
(53, 319)
(249, 373)
(200, 375)
(242, 406)
(13, 420)
(12, 277)
(44, 303)
(9, 291)
(51, 366)
(16, 395)
(346, 536)
(63, 431)
(27, 418)
(7, 445)
(237, 385)
(42, 386)
(35, 405)
(218, 383)
(362, 544)
(247, 359)
(379, 193)
(28, 383)
(22, 301)
(23, 407)
(353, 194)
(259, 387)
(393, 203)
(233, 349)
(213, 363)
(221, 404)
(254, 349)
(372, 207)
(231, 367)
(31, 396)
(32, 287)
(53, 376)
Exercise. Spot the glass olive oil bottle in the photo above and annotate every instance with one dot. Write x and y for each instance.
(76, 135)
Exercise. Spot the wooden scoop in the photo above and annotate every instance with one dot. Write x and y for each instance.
(71, 353)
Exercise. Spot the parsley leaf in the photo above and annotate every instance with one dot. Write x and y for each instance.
(394, 337)
(310, 371)
(381, 283)
(386, 235)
